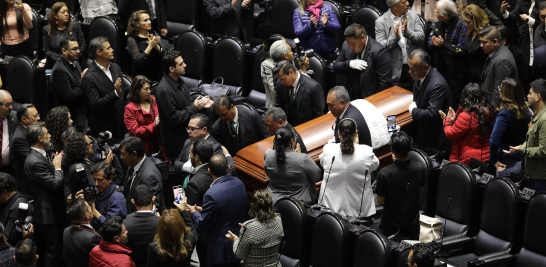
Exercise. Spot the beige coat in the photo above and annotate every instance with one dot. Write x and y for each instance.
(430, 9)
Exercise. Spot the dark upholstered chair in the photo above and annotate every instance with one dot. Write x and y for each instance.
(340, 14)
(193, 47)
(281, 19)
(106, 27)
(229, 61)
(403, 257)
(366, 16)
(25, 85)
(422, 157)
(244, 105)
(372, 249)
(496, 235)
(257, 96)
(329, 241)
(35, 35)
(320, 71)
(294, 223)
(456, 182)
(181, 16)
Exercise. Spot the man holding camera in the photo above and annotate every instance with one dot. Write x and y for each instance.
(45, 179)
(10, 201)
(27, 114)
(79, 238)
(109, 201)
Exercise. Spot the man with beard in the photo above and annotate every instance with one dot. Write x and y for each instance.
(66, 77)
(112, 250)
(45, 181)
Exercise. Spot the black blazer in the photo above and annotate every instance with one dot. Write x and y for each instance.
(150, 175)
(185, 154)
(19, 149)
(521, 64)
(433, 95)
(103, 101)
(498, 67)
(539, 66)
(46, 186)
(141, 227)
(376, 77)
(229, 20)
(51, 46)
(127, 7)
(364, 136)
(68, 91)
(521, 37)
(298, 138)
(200, 183)
(309, 100)
(251, 130)
(78, 241)
(175, 110)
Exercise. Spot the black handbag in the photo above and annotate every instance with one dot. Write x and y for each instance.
(218, 90)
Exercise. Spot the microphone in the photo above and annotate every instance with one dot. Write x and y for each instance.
(317, 207)
(357, 220)
(444, 227)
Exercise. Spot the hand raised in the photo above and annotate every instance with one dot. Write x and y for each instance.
(324, 18)
(442, 114)
(313, 20)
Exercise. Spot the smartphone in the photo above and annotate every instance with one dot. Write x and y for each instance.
(154, 209)
(391, 123)
(177, 191)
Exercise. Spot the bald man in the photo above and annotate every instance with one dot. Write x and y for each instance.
(8, 124)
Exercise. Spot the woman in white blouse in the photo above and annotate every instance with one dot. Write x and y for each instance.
(346, 187)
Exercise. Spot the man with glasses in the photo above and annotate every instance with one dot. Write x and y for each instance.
(26, 115)
(66, 77)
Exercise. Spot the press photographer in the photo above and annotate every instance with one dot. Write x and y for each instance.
(79, 150)
(10, 212)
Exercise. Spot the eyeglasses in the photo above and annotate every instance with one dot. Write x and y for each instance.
(9, 104)
(74, 49)
(36, 116)
(191, 129)
(542, 17)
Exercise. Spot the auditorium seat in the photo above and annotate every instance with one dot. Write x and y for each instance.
(35, 35)
(193, 47)
(330, 236)
(107, 27)
(318, 65)
(340, 14)
(26, 84)
(372, 249)
(422, 157)
(281, 19)
(257, 96)
(294, 223)
(229, 63)
(181, 16)
(366, 16)
(501, 199)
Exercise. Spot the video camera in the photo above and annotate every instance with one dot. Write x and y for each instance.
(103, 146)
(89, 193)
(24, 221)
(300, 53)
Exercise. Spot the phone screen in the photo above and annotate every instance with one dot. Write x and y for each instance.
(154, 209)
(177, 191)
(391, 123)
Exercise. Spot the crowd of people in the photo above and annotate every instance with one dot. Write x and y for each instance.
(477, 93)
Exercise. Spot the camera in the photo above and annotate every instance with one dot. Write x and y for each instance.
(88, 190)
(302, 53)
(24, 221)
(103, 146)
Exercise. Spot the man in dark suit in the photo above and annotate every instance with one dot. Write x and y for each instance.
(155, 7)
(175, 105)
(519, 57)
(301, 97)
(539, 37)
(9, 209)
(339, 103)
(275, 118)
(141, 170)
(224, 206)
(430, 94)
(231, 17)
(26, 115)
(198, 128)
(141, 225)
(45, 180)
(499, 66)
(237, 127)
(365, 61)
(79, 238)
(8, 124)
(66, 77)
(102, 87)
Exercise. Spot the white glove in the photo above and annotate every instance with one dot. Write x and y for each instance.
(411, 107)
(358, 64)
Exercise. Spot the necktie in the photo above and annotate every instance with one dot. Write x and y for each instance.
(232, 129)
(418, 84)
(130, 175)
(292, 93)
(359, 56)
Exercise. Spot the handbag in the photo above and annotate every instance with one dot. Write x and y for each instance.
(217, 90)
(430, 228)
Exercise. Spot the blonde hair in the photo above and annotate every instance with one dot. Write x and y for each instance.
(478, 17)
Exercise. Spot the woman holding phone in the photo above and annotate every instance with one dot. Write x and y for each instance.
(16, 20)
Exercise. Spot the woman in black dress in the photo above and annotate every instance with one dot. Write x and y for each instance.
(475, 20)
(144, 47)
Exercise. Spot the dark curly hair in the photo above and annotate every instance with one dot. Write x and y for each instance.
(475, 101)
(76, 147)
(423, 255)
(261, 207)
(134, 20)
(56, 124)
(268, 43)
(283, 137)
(347, 131)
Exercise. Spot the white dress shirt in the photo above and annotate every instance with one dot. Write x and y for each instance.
(5, 143)
(530, 23)
(136, 168)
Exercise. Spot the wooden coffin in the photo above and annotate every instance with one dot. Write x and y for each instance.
(316, 133)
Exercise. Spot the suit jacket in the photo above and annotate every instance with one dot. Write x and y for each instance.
(19, 149)
(229, 20)
(107, 109)
(521, 64)
(146, 174)
(68, 91)
(309, 100)
(46, 186)
(185, 153)
(224, 207)
(298, 138)
(200, 182)
(521, 37)
(376, 77)
(539, 65)
(433, 95)
(141, 227)
(251, 130)
(539, 37)
(127, 7)
(499, 66)
(415, 38)
(78, 241)
(175, 110)
(364, 136)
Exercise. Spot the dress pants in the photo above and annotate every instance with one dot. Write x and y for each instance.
(49, 240)
(202, 254)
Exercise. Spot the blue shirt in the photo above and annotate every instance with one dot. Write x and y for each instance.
(508, 131)
(116, 207)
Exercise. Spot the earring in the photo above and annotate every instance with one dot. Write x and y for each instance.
(56, 22)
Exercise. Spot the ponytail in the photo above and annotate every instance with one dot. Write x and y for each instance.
(283, 137)
(347, 131)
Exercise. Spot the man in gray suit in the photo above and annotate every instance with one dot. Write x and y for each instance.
(400, 31)
(499, 66)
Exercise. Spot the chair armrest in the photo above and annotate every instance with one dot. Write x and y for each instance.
(501, 258)
(457, 242)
